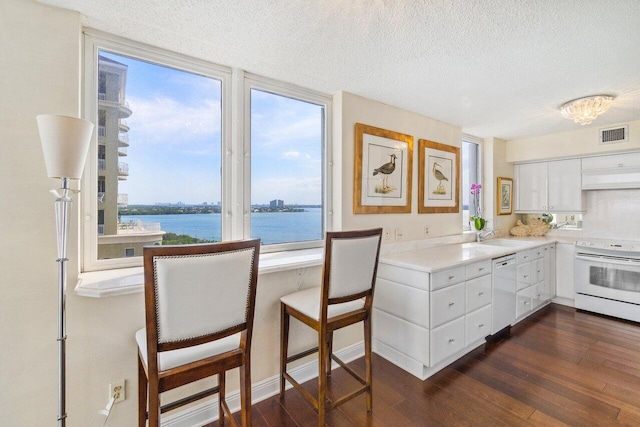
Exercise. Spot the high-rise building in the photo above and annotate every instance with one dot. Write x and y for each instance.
(115, 239)
(276, 204)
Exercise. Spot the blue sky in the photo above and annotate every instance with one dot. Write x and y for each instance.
(174, 152)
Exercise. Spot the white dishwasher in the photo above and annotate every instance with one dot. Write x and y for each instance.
(503, 296)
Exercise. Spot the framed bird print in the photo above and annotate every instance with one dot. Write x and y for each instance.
(382, 171)
(438, 178)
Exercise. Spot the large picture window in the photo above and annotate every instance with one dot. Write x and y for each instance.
(286, 137)
(177, 159)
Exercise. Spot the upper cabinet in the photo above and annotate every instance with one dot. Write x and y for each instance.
(553, 186)
(615, 171)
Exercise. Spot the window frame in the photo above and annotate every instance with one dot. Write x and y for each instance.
(93, 42)
(478, 142)
(252, 81)
(236, 88)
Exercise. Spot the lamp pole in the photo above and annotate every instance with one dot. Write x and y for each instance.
(62, 205)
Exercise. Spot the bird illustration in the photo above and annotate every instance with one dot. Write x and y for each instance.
(440, 177)
(386, 169)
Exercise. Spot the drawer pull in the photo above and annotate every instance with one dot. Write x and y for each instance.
(481, 268)
(481, 325)
(451, 303)
(525, 302)
(452, 340)
(525, 276)
(451, 277)
(480, 294)
(525, 257)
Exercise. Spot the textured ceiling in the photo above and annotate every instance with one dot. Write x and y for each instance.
(495, 68)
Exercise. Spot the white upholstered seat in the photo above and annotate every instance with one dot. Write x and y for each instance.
(308, 302)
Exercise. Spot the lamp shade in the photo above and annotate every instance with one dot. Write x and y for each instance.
(65, 142)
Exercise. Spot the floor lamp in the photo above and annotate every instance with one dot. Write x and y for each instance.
(65, 142)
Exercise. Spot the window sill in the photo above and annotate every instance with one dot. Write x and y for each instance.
(124, 281)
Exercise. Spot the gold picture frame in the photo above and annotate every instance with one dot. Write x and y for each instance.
(438, 177)
(504, 196)
(383, 163)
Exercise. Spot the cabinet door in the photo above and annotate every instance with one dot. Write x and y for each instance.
(565, 186)
(523, 275)
(565, 261)
(537, 270)
(531, 187)
(550, 270)
(523, 302)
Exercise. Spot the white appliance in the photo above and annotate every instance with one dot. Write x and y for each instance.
(607, 278)
(503, 300)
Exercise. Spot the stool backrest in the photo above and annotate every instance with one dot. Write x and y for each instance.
(199, 293)
(350, 264)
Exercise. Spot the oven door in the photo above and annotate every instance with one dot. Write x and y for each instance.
(610, 277)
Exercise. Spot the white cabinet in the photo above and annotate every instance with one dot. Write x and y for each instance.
(422, 321)
(554, 186)
(534, 267)
(565, 261)
(615, 171)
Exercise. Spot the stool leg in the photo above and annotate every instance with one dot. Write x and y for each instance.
(222, 382)
(154, 403)
(284, 345)
(245, 393)
(329, 352)
(322, 375)
(367, 362)
(142, 395)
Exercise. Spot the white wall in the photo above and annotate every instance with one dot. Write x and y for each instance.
(350, 109)
(581, 142)
(39, 59)
(494, 166)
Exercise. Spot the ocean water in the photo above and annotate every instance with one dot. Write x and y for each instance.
(271, 227)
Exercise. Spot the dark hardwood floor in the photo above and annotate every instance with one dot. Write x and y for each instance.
(559, 367)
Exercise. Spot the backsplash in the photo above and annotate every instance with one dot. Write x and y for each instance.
(612, 214)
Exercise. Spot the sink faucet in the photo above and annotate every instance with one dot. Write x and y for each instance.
(484, 234)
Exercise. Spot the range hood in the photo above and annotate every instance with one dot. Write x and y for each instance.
(611, 172)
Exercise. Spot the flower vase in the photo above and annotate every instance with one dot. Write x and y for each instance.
(478, 223)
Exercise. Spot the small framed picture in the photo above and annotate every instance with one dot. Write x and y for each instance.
(504, 198)
(439, 178)
(382, 171)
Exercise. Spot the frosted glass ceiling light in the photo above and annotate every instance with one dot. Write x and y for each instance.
(585, 110)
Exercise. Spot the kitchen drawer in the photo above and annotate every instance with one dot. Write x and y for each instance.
(409, 339)
(447, 340)
(478, 325)
(449, 277)
(523, 275)
(478, 269)
(526, 256)
(478, 292)
(538, 294)
(523, 302)
(404, 276)
(538, 252)
(537, 270)
(402, 301)
(447, 304)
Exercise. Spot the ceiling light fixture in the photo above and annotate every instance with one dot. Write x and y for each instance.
(585, 110)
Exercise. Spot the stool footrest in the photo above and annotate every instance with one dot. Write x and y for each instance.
(189, 399)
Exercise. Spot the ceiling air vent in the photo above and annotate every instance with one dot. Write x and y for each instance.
(614, 135)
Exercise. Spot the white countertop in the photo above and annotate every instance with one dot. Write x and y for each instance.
(447, 256)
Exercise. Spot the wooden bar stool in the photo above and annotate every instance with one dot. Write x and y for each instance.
(344, 298)
(199, 305)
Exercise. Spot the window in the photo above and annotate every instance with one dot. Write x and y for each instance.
(164, 168)
(287, 140)
(471, 174)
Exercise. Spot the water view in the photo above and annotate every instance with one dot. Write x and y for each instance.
(271, 227)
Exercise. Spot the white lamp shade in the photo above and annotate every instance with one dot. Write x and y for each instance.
(65, 142)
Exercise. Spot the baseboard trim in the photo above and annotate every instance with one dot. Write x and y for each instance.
(207, 412)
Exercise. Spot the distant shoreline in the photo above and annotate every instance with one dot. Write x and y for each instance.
(202, 209)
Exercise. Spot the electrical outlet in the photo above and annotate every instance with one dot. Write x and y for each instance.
(426, 230)
(386, 234)
(117, 389)
(398, 234)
